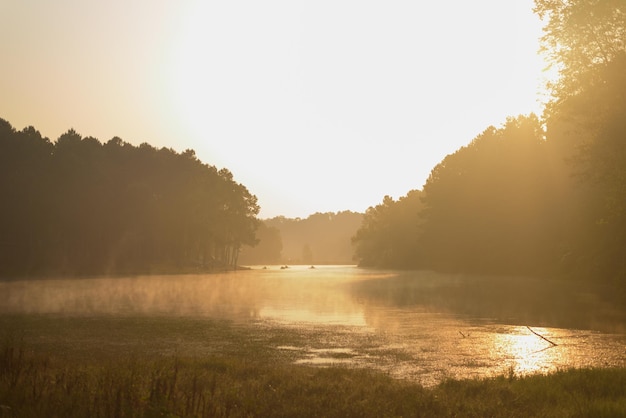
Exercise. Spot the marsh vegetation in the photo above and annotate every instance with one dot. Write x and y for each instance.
(332, 341)
(134, 367)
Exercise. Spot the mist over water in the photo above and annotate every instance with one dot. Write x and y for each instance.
(236, 295)
(418, 325)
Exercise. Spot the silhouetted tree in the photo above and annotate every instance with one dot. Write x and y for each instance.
(78, 206)
(388, 235)
(25, 190)
(534, 196)
(488, 206)
(586, 40)
(579, 37)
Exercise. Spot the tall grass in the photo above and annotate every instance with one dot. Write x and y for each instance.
(37, 385)
(109, 366)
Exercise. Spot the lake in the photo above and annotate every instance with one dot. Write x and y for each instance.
(422, 326)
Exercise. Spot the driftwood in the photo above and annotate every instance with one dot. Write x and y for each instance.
(541, 336)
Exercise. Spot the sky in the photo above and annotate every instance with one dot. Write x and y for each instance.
(314, 106)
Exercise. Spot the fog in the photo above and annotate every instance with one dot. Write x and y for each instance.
(418, 325)
(326, 294)
(299, 294)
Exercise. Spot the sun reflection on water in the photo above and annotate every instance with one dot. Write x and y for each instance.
(529, 353)
(295, 315)
(411, 328)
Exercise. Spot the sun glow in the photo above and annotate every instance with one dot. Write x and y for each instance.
(313, 106)
(190, 76)
(255, 84)
(528, 352)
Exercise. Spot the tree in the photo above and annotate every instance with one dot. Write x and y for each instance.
(25, 188)
(579, 37)
(488, 206)
(268, 248)
(590, 128)
(80, 207)
(327, 234)
(307, 254)
(388, 235)
(586, 41)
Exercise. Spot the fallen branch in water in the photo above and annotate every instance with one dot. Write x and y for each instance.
(541, 336)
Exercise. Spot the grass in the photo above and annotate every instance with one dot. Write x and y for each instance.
(185, 367)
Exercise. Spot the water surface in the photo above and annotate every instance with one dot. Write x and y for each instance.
(418, 325)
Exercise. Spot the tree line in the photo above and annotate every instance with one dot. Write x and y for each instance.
(79, 206)
(321, 238)
(537, 195)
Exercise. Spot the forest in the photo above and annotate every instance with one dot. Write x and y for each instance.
(538, 195)
(541, 195)
(78, 206)
(321, 238)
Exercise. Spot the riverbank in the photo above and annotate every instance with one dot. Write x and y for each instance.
(154, 271)
(32, 385)
(135, 367)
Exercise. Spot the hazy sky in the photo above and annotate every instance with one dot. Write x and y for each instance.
(315, 106)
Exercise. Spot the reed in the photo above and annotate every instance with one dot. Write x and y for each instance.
(31, 386)
(242, 378)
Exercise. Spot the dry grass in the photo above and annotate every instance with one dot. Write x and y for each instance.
(177, 367)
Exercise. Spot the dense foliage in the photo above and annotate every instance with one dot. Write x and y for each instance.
(268, 249)
(388, 233)
(80, 206)
(535, 195)
(321, 238)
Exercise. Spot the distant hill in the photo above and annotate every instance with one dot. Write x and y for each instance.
(322, 238)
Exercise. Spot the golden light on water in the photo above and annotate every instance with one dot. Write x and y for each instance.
(306, 316)
(528, 353)
(335, 314)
